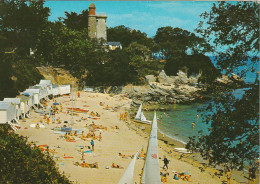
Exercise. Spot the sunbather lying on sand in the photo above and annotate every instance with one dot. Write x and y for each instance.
(107, 107)
(164, 176)
(126, 156)
(92, 114)
(86, 165)
(116, 166)
(184, 176)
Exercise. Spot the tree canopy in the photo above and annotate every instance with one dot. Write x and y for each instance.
(171, 42)
(76, 21)
(20, 24)
(184, 50)
(126, 36)
(234, 130)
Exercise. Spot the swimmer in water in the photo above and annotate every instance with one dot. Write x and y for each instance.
(193, 124)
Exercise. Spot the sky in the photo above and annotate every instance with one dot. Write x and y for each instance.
(146, 16)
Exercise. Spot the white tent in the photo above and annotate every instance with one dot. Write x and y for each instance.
(55, 90)
(7, 112)
(46, 84)
(64, 89)
(34, 93)
(17, 103)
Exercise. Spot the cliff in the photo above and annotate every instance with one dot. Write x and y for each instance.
(58, 76)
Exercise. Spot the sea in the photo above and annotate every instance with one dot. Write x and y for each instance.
(178, 125)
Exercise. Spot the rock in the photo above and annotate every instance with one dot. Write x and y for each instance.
(224, 79)
(162, 77)
(237, 78)
(150, 79)
(183, 78)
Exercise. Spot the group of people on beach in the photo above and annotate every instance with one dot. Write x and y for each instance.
(185, 176)
(123, 116)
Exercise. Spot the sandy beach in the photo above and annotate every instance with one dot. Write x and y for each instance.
(127, 139)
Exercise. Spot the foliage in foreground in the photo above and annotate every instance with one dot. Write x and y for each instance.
(233, 136)
(22, 163)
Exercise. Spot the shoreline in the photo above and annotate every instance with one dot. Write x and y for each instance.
(126, 140)
(195, 158)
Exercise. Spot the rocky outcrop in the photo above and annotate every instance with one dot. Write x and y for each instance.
(150, 79)
(233, 80)
(168, 89)
(58, 76)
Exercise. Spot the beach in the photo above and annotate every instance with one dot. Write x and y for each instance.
(118, 136)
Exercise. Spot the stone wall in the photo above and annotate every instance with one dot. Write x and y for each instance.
(101, 27)
(92, 29)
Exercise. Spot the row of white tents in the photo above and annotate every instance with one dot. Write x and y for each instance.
(12, 109)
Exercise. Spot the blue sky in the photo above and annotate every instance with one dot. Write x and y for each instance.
(146, 16)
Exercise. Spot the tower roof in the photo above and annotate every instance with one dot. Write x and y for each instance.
(92, 5)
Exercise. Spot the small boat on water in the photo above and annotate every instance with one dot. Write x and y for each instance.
(140, 118)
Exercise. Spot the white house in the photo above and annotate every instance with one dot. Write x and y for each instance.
(26, 104)
(7, 112)
(35, 95)
(55, 90)
(46, 84)
(114, 45)
(64, 89)
(17, 103)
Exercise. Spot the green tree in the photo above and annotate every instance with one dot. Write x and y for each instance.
(233, 29)
(110, 68)
(76, 21)
(61, 46)
(184, 50)
(173, 42)
(234, 120)
(142, 62)
(20, 24)
(24, 163)
(126, 36)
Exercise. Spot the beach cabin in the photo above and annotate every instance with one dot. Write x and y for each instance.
(55, 90)
(46, 84)
(7, 112)
(26, 104)
(34, 93)
(42, 91)
(64, 89)
(17, 103)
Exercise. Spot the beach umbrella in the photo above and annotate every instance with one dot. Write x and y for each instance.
(55, 103)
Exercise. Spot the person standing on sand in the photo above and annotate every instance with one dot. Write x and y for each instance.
(229, 175)
(82, 155)
(78, 94)
(92, 144)
(166, 162)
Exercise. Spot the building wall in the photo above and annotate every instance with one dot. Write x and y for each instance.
(101, 27)
(3, 116)
(92, 28)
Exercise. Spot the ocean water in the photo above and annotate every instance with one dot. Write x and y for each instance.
(179, 123)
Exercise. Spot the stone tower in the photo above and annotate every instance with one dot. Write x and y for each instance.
(97, 24)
